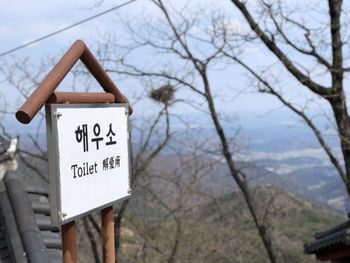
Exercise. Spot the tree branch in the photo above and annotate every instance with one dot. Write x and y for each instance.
(301, 114)
(271, 45)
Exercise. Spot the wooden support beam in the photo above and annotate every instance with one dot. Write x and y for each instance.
(108, 235)
(81, 97)
(69, 247)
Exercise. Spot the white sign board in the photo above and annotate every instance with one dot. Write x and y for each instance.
(88, 147)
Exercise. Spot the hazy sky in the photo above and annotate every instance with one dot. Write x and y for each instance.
(23, 21)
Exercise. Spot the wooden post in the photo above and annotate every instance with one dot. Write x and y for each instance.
(108, 235)
(69, 248)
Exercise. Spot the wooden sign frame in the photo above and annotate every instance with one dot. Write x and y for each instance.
(44, 93)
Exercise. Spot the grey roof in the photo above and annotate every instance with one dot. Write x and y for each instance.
(331, 239)
(4, 145)
(26, 234)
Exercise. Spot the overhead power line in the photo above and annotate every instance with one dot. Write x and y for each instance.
(66, 28)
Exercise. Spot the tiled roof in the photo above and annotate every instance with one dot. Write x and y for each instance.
(11, 245)
(26, 234)
(331, 239)
(4, 145)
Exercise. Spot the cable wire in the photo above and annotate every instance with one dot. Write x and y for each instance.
(66, 28)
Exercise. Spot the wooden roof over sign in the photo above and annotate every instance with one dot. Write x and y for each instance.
(46, 88)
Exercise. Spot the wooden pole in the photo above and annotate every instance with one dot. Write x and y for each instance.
(80, 97)
(69, 243)
(108, 235)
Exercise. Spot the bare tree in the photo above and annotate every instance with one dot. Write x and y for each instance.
(302, 47)
(174, 217)
(170, 188)
(149, 145)
(196, 43)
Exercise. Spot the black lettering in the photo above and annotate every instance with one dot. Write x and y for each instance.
(84, 169)
(95, 167)
(73, 167)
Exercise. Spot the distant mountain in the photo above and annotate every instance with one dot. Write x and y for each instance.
(292, 219)
(221, 227)
(320, 185)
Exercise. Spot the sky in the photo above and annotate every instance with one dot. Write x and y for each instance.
(24, 21)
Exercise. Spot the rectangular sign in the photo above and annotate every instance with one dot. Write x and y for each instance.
(88, 146)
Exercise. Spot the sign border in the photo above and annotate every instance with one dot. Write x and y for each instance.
(57, 218)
